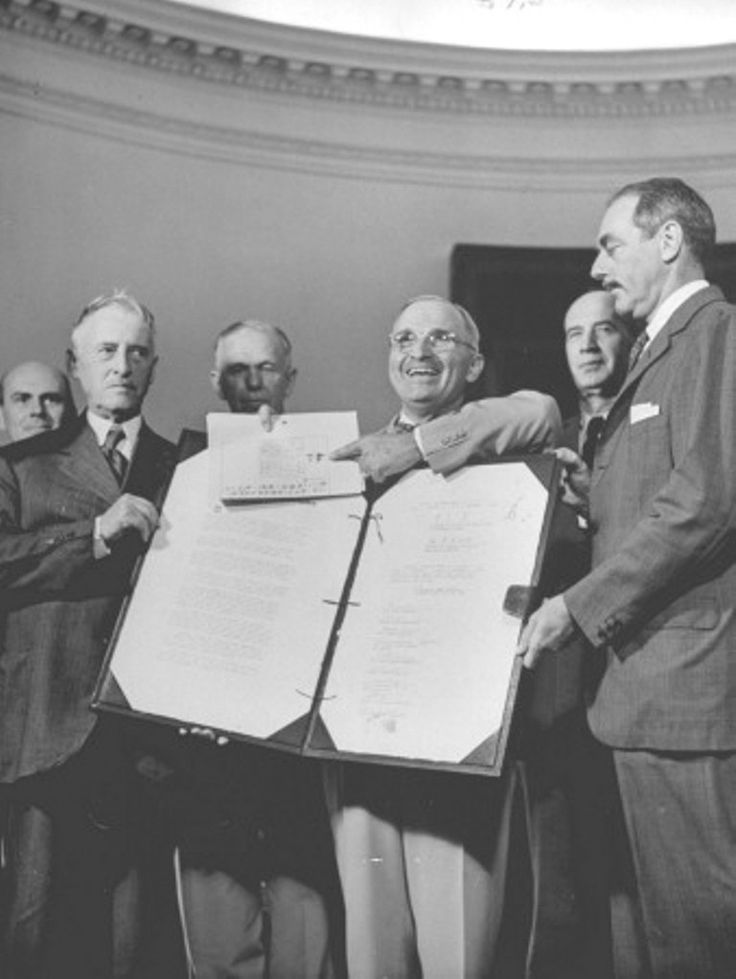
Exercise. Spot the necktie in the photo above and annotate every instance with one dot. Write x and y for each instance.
(592, 437)
(116, 459)
(402, 426)
(635, 352)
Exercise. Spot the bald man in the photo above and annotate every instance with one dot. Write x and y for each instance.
(35, 398)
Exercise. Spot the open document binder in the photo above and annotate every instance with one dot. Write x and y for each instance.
(376, 631)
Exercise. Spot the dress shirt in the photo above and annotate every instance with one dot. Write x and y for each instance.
(126, 446)
(132, 427)
(671, 303)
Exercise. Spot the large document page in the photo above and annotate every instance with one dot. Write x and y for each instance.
(336, 628)
(426, 649)
(233, 607)
(290, 462)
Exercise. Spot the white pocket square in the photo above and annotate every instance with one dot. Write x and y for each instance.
(643, 411)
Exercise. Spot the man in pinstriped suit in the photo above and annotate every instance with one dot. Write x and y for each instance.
(662, 593)
(74, 516)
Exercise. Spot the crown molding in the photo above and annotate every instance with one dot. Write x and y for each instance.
(125, 124)
(303, 64)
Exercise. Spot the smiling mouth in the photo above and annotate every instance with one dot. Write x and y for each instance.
(421, 372)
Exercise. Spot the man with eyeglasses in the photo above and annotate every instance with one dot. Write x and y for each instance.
(408, 840)
(260, 896)
(434, 355)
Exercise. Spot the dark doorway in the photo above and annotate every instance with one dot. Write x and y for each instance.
(518, 297)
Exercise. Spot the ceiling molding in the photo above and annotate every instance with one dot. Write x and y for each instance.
(84, 113)
(226, 51)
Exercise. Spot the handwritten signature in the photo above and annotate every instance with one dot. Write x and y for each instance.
(509, 4)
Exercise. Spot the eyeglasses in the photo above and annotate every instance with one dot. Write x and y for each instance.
(439, 340)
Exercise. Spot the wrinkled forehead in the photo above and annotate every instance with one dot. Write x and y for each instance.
(250, 346)
(113, 324)
(590, 309)
(618, 218)
(33, 379)
(426, 315)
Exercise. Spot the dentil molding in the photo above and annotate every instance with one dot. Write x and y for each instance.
(223, 50)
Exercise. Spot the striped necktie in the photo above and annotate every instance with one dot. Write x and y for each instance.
(635, 352)
(117, 461)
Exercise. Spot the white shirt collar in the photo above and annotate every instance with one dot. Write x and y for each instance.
(671, 303)
(132, 428)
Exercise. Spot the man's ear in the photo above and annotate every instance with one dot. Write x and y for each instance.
(152, 372)
(215, 382)
(475, 368)
(671, 240)
(71, 362)
(290, 378)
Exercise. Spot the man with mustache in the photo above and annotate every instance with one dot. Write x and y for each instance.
(661, 505)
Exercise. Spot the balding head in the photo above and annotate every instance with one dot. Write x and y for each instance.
(597, 344)
(253, 366)
(35, 398)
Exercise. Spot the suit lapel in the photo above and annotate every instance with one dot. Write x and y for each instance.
(661, 344)
(82, 461)
(150, 468)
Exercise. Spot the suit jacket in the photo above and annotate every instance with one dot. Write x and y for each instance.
(663, 517)
(525, 421)
(556, 685)
(59, 603)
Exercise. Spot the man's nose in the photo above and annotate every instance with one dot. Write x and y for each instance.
(421, 346)
(589, 339)
(253, 378)
(122, 361)
(597, 269)
(38, 407)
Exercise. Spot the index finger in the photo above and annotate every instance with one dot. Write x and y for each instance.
(352, 450)
(267, 417)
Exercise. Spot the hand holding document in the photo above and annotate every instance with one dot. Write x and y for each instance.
(378, 630)
(292, 461)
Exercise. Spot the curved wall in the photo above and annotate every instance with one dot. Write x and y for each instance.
(222, 168)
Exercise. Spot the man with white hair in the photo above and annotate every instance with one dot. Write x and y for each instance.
(77, 507)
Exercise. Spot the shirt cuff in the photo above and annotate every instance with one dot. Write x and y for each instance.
(99, 544)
